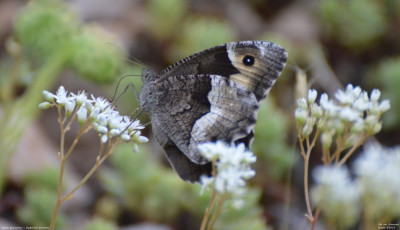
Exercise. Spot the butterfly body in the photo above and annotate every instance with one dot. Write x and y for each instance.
(212, 95)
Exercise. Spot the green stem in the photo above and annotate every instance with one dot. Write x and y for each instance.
(217, 211)
(61, 174)
(351, 151)
(59, 193)
(208, 210)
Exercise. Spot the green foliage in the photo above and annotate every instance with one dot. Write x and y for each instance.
(247, 217)
(166, 16)
(270, 140)
(47, 28)
(40, 198)
(100, 224)
(387, 74)
(158, 194)
(96, 58)
(145, 187)
(107, 208)
(46, 178)
(356, 24)
(198, 33)
(44, 26)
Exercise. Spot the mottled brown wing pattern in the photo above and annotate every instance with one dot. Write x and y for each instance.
(212, 95)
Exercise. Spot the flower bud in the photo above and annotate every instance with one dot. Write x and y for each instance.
(316, 111)
(82, 115)
(44, 105)
(312, 95)
(300, 115)
(302, 103)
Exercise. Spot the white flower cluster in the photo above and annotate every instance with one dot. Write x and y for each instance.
(337, 195)
(378, 173)
(232, 164)
(375, 190)
(99, 112)
(352, 108)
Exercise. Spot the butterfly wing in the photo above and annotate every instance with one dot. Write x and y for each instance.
(195, 109)
(211, 95)
(229, 60)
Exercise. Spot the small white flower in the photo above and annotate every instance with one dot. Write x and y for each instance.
(316, 111)
(61, 97)
(100, 102)
(384, 106)
(300, 115)
(212, 151)
(312, 96)
(346, 97)
(95, 114)
(302, 103)
(80, 98)
(349, 114)
(329, 106)
(308, 127)
(69, 107)
(82, 114)
(362, 103)
(375, 95)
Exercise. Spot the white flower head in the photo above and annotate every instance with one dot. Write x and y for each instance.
(378, 171)
(336, 194)
(98, 112)
(232, 165)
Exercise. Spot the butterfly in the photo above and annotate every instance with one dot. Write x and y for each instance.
(211, 95)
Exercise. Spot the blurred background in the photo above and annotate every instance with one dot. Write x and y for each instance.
(90, 44)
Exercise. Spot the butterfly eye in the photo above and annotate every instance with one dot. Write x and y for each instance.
(248, 60)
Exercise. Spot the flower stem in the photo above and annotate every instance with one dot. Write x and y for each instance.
(217, 211)
(61, 174)
(351, 151)
(208, 210)
(59, 193)
(90, 173)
